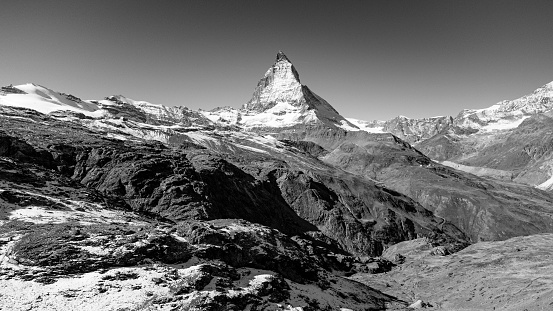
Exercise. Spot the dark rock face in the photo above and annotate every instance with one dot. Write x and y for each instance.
(524, 151)
(20, 150)
(242, 244)
(10, 89)
(189, 186)
(308, 147)
(479, 207)
(197, 184)
(202, 186)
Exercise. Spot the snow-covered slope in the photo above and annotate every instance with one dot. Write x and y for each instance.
(155, 114)
(505, 115)
(368, 126)
(508, 113)
(411, 130)
(118, 115)
(223, 115)
(45, 100)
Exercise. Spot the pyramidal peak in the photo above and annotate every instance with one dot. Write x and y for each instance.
(280, 100)
(281, 56)
(281, 83)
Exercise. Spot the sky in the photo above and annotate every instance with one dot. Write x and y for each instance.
(369, 59)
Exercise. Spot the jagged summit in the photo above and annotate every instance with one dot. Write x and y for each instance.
(281, 56)
(280, 100)
(281, 83)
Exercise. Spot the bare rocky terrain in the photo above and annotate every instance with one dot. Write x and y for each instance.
(514, 274)
(118, 204)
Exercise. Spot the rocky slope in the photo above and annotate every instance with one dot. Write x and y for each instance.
(77, 188)
(506, 141)
(263, 208)
(522, 153)
(480, 207)
(118, 218)
(509, 275)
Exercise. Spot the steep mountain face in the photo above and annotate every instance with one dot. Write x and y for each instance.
(280, 100)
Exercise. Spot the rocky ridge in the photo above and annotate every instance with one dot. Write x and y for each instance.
(507, 141)
(505, 115)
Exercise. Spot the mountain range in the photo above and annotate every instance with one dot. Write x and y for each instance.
(119, 204)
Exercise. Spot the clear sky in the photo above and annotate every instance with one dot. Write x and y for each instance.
(369, 59)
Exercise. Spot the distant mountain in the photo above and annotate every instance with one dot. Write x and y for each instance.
(507, 141)
(410, 130)
(505, 115)
(45, 100)
(280, 100)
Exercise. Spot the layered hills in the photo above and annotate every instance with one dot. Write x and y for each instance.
(266, 207)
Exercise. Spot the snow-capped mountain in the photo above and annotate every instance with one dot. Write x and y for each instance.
(45, 100)
(280, 100)
(411, 130)
(155, 114)
(505, 115)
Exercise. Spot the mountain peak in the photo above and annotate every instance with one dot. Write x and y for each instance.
(282, 57)
(281, 83)
(280, 100)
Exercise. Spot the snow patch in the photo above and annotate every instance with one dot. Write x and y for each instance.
(503, 124)
(367, 126)
(45, 101)
(283, 114)
(546, 185)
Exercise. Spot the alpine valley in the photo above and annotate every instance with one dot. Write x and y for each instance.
(283, 204)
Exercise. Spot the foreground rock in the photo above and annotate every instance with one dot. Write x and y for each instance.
(216, 265)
